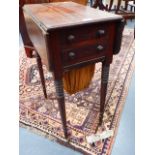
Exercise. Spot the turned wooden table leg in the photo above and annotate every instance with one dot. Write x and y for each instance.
(41, 73)
(98, 3)
(61, 102)
(110, 5)
(103, 91)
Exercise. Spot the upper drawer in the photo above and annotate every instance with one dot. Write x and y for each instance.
(83, 35)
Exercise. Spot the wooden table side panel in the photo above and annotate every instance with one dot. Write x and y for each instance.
(37, 37)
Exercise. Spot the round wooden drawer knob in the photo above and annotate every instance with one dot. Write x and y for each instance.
(101, 32)
(100, 48)
(71, 37)
(71, 55)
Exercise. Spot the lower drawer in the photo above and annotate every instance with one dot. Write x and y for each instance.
(86, 53)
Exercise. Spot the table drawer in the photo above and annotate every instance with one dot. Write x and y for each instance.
(85, 53)
(83, 34)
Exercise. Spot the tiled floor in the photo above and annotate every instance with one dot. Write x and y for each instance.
(125, 140)
(32, 144)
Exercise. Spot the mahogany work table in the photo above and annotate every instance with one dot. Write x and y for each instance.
(68, 35)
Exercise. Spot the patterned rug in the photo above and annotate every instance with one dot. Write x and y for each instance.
(43, 117)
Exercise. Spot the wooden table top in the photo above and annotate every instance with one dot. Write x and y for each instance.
(65, 14)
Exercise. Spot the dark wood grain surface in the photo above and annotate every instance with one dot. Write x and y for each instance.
(64, 14)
